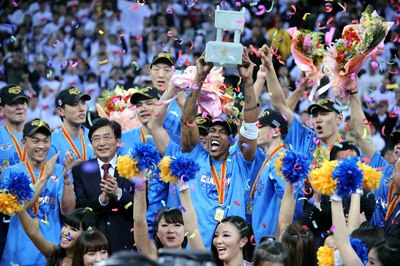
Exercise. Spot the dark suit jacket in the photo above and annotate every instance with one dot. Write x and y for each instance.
(115, 221)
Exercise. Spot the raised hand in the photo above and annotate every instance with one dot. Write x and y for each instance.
(50, 165)
(266, 54)
(247, 67)
(110, 186)
(203, 67)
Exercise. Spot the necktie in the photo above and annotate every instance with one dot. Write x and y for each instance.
(105, 167)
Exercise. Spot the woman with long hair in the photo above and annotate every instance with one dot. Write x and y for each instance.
(74, 224)
(232, 242)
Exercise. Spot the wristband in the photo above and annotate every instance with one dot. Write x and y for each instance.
(249, 130)
(183, 186)
(336, 197)
(354, 92)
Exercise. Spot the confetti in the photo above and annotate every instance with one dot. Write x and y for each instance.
(392, 86)
(364, 133)
(332, 229)
(12, 39)
(237, 4)
(344, 6)
(15, 4)
(264, 225)
(294, 10)
(192, 3)
(305, 15)
(236, 202)
(132, 8)
(314, 224)
(245, 145)
(252, 241)
(55, 43)
(139, 38)
(6, 221)
(191, 235)
(101, 32)
(190, 124)
(169, 11)
(128, 205)
(132, 230)
(103, 62)
(114, 209)
(261, 9)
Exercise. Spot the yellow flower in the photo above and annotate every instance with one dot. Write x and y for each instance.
(372, 177)
(325, 256)
(126, 167)
(165, 172)
(9, 204)
(321, 178)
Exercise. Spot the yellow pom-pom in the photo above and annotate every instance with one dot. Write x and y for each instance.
(321, 178)
(325, 256)
(126, 167)
(372, 177)
(9, 204)
(165, 172)
(278, 164)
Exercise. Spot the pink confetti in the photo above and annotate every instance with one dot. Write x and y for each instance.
(55, 179)
(236, 202)
(374, 64)
(294, 10)
(261, 10)
(170, 33)
(114, 209)
(237, 4)
(120, 144)
(284, 117)
(169, 11)
(139, 38)
(15, 4)
(252, 241)
(245, 145)
(132, 230)
(134, 7)
(332, 229)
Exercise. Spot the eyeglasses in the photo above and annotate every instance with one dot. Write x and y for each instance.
(106, 138)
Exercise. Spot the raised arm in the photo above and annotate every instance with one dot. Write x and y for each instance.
(260, 81)
(68, 202)
(31, 229)
(295, 96)
(361, 127)
(190, 219)
(143, 242)
(190, 133)
(286, 213)
(278, 99)
(248, 142)
(353, 221)
(155, 125)
(341, 235)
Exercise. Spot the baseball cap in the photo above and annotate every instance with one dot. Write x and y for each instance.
(325, 104)
(34, 125)
(273, 119)
(147, 92)
(203, 123)
(10, 93)
(226, 122)
(163, 57)
(70, 96)
(395, 137)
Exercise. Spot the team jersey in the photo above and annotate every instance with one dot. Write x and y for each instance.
(60, 143)
(204, 193)
(381, 194)
(266, 195)
(172, 122)
(157, 190)
(19, 249)
(8, 151)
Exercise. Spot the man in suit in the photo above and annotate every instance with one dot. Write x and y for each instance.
(99, 186)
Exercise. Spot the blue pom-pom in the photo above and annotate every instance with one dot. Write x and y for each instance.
(184, 168)
(295, 166)
(18, 185)
(147, 156)
(349, 176)
(360, 248)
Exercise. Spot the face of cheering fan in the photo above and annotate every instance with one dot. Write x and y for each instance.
(227, 241)
(171, 235)
(326, 123)
(218, 142)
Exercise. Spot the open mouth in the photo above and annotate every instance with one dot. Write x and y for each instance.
(214, 145)
(319, 129)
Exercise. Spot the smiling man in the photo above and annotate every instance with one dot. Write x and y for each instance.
(53, 195)
(72, 136)
(99, 186)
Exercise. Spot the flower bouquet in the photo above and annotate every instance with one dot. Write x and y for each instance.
(308, 53)
(116, 105)
(213, 98)
(347, 55)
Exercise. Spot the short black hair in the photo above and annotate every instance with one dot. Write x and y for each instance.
(342, 146)
(270, 251)
(101, 122)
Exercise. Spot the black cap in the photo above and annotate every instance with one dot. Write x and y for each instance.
(203, 123)
(163, 57)
(227, 122)
(33, 126)
(70, 96)
(395, 137)
(273, 119)
(147, 92)
(342, 146)
(10, 93)
(325, 104)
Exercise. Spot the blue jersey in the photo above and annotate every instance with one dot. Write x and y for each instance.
(301, 139)
(268, 193)
(205, 195)
(19, 249)
(381, 194)
(157, 190)
(172, 122)
(60, 144)
(8, 152)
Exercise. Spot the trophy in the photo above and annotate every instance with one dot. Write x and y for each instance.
(226, 54)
